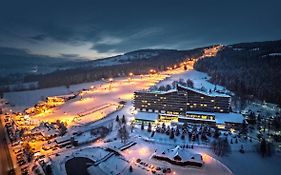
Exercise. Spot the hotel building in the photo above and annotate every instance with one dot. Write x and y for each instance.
(185, 104)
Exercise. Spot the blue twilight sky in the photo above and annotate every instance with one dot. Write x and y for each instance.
(95, 29)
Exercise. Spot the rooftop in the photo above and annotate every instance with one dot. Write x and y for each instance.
(183, 154)
(151, 116)
(212, 94)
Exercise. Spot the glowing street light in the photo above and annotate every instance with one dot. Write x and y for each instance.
(130, 75)
(110, 82)
(152, 71)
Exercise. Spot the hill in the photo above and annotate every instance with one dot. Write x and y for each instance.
(252, 70)
(137, 62)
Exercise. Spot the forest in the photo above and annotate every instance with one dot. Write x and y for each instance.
(158, 62)
(251, 70)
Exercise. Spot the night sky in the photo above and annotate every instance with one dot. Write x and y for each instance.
(96, 29)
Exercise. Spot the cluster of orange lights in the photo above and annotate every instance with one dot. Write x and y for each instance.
(152, 71)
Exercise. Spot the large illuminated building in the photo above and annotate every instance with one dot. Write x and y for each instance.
(185, 104)
(181, 100)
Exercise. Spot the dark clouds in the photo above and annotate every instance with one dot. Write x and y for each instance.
(100, 28)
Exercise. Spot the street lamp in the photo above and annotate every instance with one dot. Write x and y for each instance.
(130, 75)
(110, 82)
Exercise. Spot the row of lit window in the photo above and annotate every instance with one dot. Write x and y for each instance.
(201, 116)
(194, 104)
(170, 112)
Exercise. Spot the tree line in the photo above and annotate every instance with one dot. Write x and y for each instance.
(160, 62)
(251, 70)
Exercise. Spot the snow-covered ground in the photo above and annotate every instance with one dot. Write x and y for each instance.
(102, 101)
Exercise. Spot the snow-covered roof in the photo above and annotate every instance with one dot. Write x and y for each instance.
(213, 94)
(63, 139)
(150, 116)
(158, 92)
(185, 155)
(222, 118)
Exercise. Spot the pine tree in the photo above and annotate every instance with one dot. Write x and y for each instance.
(149, 127)
(263, 147)
(123, 119)
(182, 137)
(172, 135)
(142, 125)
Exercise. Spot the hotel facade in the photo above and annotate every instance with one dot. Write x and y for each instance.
(181, 100)
(185, 104)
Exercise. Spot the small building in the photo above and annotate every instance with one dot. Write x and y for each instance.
(179, 156)
(64, 140)
(146, 117)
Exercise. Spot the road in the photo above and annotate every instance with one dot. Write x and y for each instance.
(5, 158)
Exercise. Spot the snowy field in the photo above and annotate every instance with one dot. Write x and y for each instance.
(103, 100)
